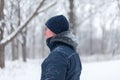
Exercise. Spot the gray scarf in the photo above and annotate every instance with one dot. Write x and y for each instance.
(66, 37)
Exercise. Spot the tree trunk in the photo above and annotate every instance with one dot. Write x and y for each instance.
(24, 49)
(72, 16)
(91, 32)
(42, 44)
(103, 41)
(15, 43)
(14, 50)
(2, 60)
(33, 45)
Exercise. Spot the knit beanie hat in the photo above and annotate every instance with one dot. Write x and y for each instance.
(57, 24)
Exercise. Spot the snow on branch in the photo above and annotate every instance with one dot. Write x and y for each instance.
(20, 28)
(46, 7)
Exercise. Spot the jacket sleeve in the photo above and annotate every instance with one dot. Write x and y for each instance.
(54, 67)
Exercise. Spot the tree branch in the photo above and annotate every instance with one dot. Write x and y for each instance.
(47, 7)
(20, 28)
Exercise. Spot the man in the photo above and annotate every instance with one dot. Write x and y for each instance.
(63, 62)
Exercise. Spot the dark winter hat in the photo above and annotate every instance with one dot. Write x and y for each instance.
(58, 24)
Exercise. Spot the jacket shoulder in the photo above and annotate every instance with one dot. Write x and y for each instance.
(65, 51)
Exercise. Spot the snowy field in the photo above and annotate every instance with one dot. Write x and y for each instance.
(18, 70)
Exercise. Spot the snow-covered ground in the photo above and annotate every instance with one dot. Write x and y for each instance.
(18, 70)
(107, 70)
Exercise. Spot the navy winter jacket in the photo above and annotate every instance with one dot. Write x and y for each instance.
(63, 63)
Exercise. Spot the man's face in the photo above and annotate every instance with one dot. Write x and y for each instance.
(48, 33)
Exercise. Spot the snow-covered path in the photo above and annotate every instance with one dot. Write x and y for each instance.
(17, 70)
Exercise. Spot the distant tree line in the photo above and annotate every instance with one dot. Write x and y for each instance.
(94, 23)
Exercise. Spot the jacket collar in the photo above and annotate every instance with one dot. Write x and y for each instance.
(64, 38)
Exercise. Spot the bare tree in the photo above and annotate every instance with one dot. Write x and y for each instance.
(2, 24)
(24, 49)
(23, 33)
(72, 16)
(8, 39)
(116, 42)
(43, 44)
(15, 9)
(91, 31)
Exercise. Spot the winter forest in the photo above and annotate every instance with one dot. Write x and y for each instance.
(95, 24)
